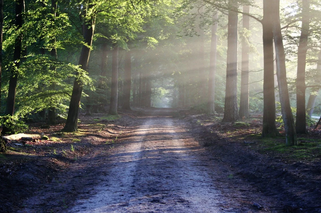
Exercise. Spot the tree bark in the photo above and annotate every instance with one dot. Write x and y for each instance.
(282, 80)
(20, 6)
(88, 33)
(202, 69)
(231, 108)
(300, 82)
(244, 99)
(269, 127)
(54, 54)
(104, 59)
(114, 82)
(212, 71)
(127, 81)
(315, 91)
(1, 40)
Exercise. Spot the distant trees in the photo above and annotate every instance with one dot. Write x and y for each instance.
(113, 110)
(197, 67)
(127, 80)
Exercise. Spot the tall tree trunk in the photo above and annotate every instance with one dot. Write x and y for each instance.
(1, 39)
(114, 82)
(140, 89)
(314, 92)
(104, 59)
(148, 90)
(20, 6)
(231, 108)
(300, 82)
(88, 33)
(244, 99)
(52, 110)
(202, 69)
(269, 127)
(128, 81)
(212, 70)
(282, 80)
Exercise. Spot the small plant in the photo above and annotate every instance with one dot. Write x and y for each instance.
(72, 148)
(64, 152)
(55, 152)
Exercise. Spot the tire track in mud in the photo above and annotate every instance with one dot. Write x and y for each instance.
(157, 171)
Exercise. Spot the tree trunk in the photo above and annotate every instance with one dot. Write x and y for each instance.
(202, 69)
(212, 71)
(20, 6)
(88, 33)
(244, 99)
(114, 83)
(300, 82)
(104, 59)
(148, 94)
(231, 108)
(269, 127)
(315, 91)
(128, 81)
(282, 80)
(1, 40)
(140, 90)
(52, 110)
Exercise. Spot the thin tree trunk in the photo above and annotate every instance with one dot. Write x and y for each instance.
(72, 119)
(104, 59)
(148, 92)
(20, 5)
(114, 83)
(52, 110)
(269, 127)
(244, 99)
(140, 90)
(212, 71)
(128, 81)
(1, 40)
(282, 80)
(231, 108)
(315, 91)
(202, 69)
(300, 83)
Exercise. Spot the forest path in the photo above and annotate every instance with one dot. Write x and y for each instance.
(153, 163)
(160, 169)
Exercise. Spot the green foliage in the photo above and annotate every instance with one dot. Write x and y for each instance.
(12, 125)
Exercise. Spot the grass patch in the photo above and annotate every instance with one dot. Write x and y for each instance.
(55, 139)
(307, 149)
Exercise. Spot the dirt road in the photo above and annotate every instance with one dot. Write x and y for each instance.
(158, 167)
(157, 171)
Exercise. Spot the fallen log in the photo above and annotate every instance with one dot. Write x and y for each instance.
(22, 136)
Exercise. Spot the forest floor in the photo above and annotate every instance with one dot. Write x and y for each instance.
(161, 161)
